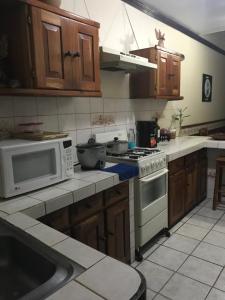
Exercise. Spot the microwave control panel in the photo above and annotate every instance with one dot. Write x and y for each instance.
(68, 150)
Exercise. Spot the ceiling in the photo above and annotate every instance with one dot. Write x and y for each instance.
(204, 17)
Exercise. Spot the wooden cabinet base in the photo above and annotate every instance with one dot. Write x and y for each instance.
(101, 221)
(91, 232)
(118, 234)
(187, 184)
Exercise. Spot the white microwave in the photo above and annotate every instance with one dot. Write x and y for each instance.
(29, 165)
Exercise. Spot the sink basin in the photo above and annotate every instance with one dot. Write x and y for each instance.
(28, 268)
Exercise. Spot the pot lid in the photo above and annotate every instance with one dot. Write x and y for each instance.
(117, 141)
(90, 144)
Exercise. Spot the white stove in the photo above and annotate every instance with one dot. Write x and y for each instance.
(150, 188)
(148, 160)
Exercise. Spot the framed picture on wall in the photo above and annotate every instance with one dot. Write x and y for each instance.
(206, 88)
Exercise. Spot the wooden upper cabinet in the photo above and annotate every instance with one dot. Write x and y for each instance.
(162, 74)
(88, 58)
(160, 83)
(66, 53)
(60, 55)
(174, 76)
(49, 32)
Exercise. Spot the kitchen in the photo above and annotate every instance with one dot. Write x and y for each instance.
(97, 199)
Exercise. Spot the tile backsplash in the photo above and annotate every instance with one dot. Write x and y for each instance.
(81, 117)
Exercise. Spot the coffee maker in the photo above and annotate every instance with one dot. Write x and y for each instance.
(147, 134)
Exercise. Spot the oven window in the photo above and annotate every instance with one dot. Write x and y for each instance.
(153, 190)
(34, 165)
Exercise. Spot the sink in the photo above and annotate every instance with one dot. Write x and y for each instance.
(28, 268)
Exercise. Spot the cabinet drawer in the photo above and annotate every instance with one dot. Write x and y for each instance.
(176, 165)
(86, 208)
(58, 220)
(116, 193)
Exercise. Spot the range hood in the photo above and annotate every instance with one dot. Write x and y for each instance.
(113, 60)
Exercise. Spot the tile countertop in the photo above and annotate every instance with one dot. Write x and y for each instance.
(46, 200)
(105, 277)
(182, 146)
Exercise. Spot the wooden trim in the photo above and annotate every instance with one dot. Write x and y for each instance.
(182, 57)
(149, 10)
(48, 93)
(59, 11)
(169, 98)
(204, 123)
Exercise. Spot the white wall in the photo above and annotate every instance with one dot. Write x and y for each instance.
(76, 115)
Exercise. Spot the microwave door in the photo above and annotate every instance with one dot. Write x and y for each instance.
(29, 170)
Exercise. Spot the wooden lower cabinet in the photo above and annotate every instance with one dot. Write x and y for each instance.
(91, 232)
(118, 231)
(187, 184)
(191, 182)
(177, 194)
(100, 221)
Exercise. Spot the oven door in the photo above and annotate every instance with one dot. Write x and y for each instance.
(151, 196)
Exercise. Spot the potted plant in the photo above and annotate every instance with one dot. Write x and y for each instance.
(179, 116)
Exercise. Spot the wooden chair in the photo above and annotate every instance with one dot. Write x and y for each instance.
(219, 190)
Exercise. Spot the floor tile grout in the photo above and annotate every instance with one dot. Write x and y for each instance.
(191, 254)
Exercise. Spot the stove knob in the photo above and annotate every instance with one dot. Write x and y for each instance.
(160, 163)
(148, 168)
(142, 171)
(153, 166)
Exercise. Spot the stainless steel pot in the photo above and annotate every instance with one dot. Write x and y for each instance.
(91, 155)
(117, 146)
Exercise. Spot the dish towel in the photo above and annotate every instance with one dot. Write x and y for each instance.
(124, 171)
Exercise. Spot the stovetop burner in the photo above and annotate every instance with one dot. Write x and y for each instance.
(137, 153)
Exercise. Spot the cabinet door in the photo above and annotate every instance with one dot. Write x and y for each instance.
(118, 231)
(174, 75)
(162, 74)
(91, 232)
(177, 191)
(58, 220)
(86, 59)
(191, 188)
(50, 43)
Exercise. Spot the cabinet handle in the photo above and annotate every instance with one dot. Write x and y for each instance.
(67, 53)
(102, 238)
(171, 75)
(75, 54)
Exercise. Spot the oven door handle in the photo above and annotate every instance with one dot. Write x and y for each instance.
(151, 178)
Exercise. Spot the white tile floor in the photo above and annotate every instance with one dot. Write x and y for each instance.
(190, 265)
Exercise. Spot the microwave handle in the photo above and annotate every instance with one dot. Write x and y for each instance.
(151, 178)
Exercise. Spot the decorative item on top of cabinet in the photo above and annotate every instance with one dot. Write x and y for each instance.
(160, 83)
(59, 54)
